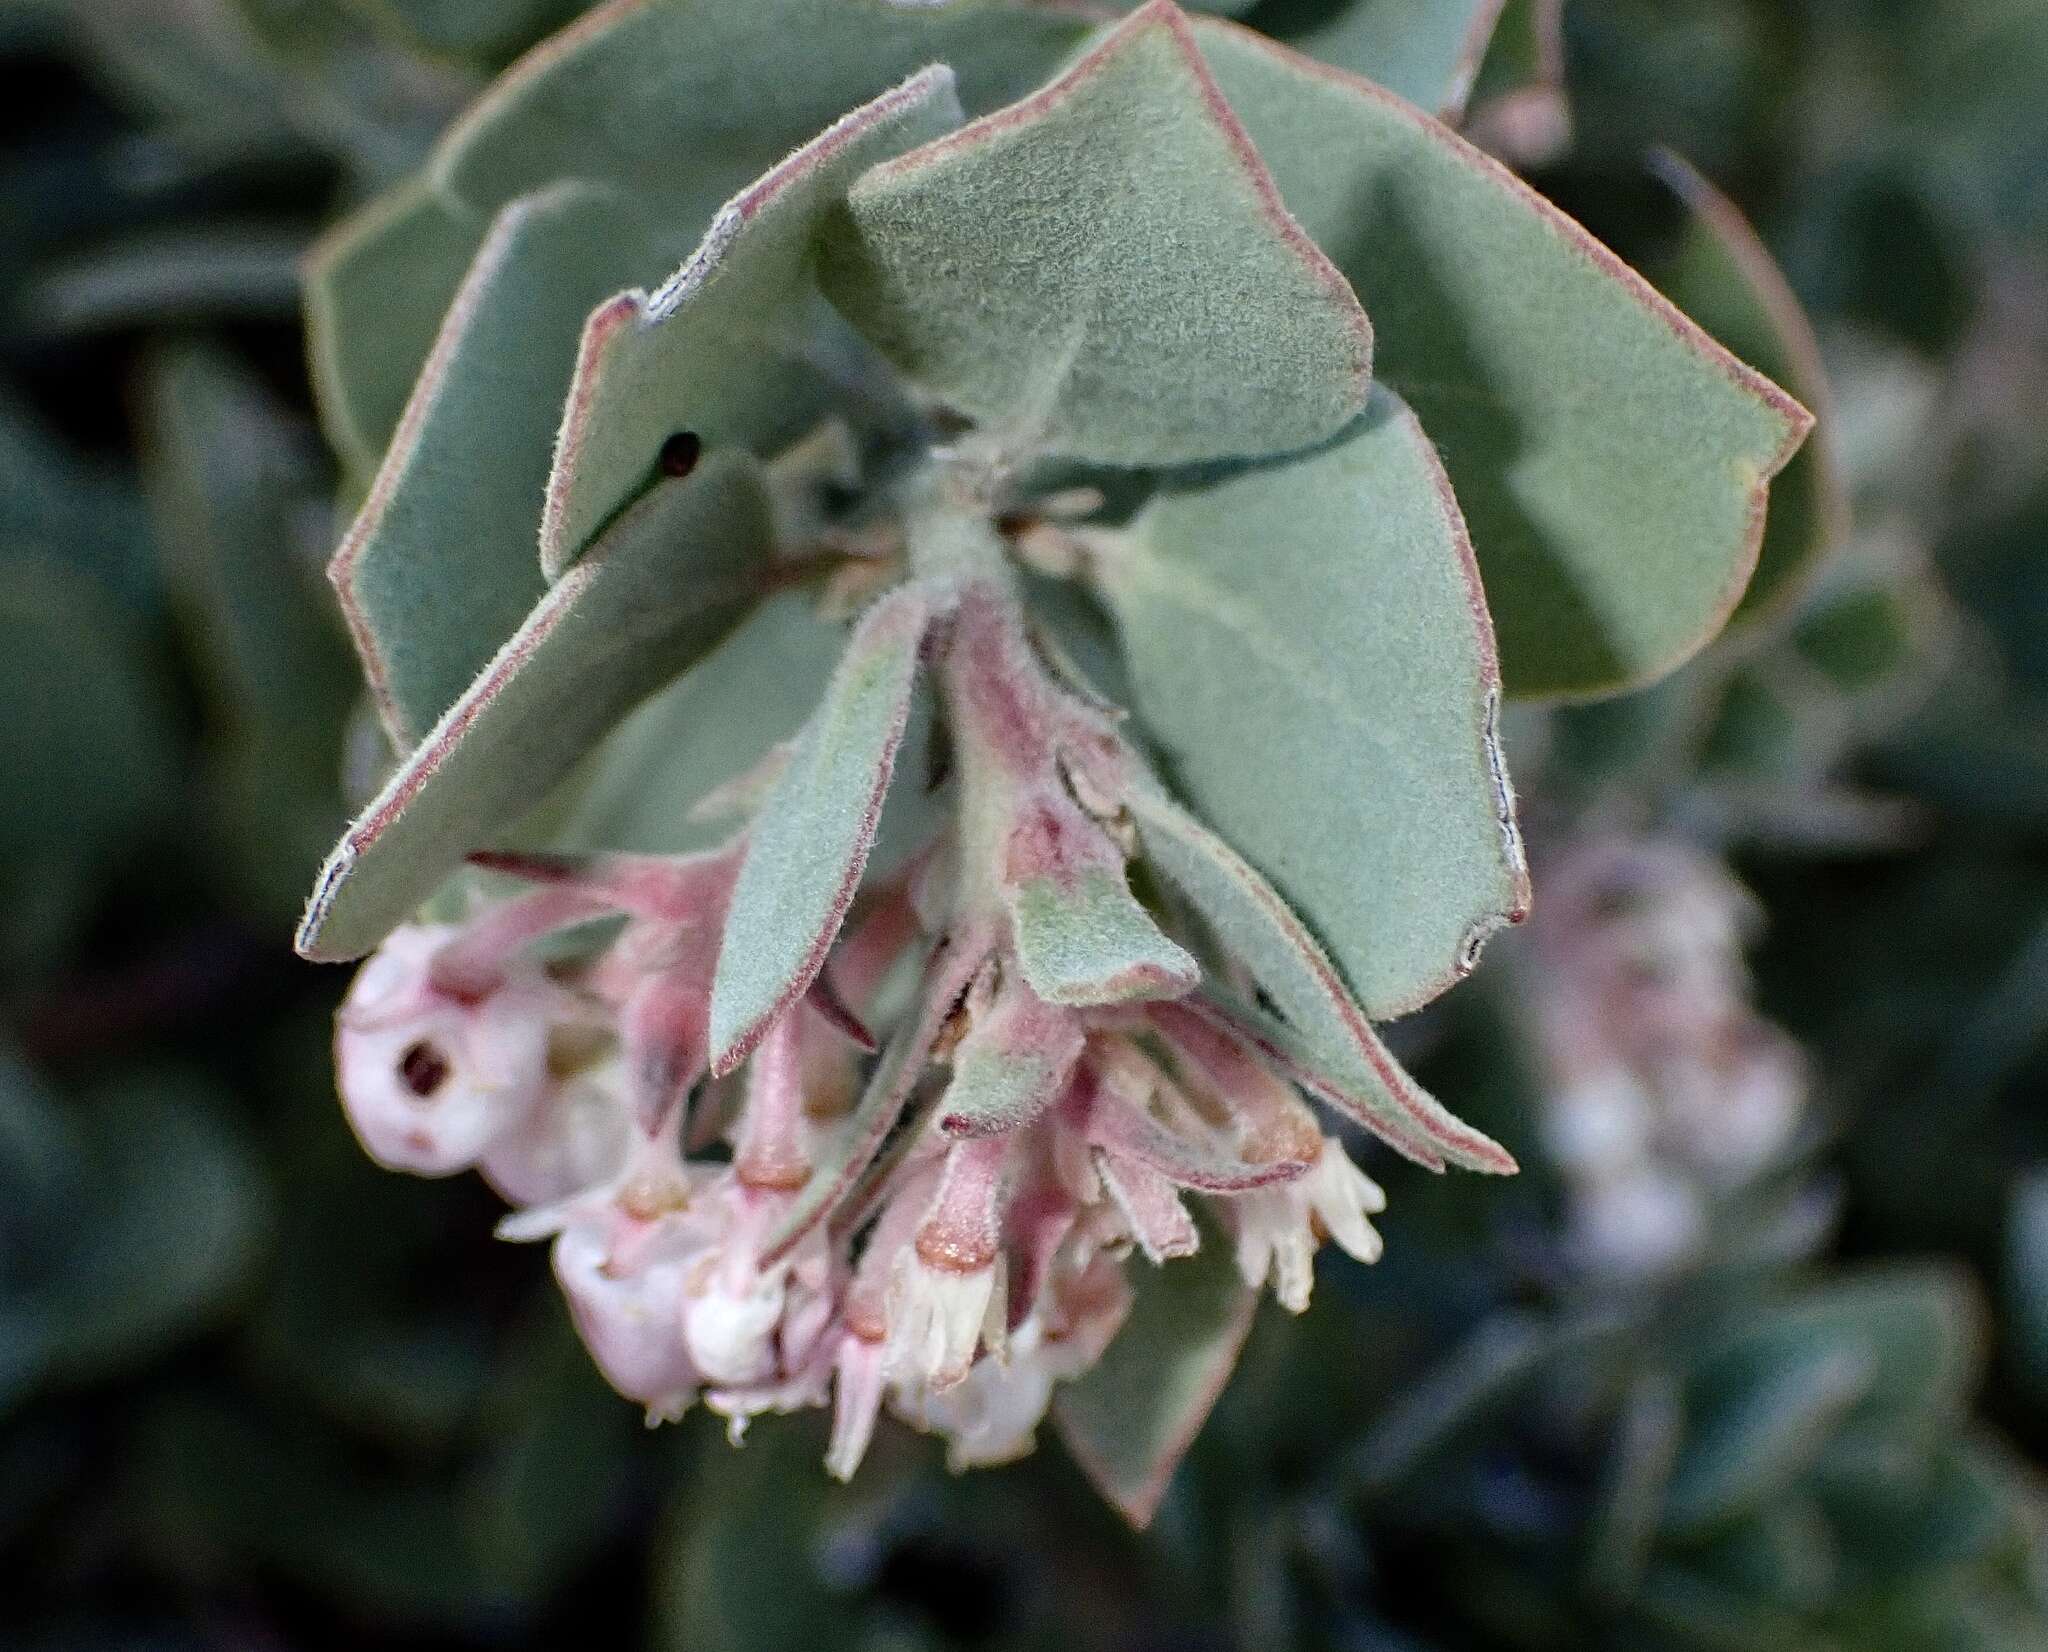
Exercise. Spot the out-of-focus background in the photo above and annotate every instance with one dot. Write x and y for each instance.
(1754, 1354)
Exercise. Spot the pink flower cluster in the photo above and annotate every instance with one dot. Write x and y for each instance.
(944, 1226)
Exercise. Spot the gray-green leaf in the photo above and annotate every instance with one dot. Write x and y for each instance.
(687, 100)
(1131, 1419)
(1326, 1042)
(1325, 613)
(377, 286)
(1105, 271)
(721, 348)
(1722, 275)
(668, 581)
(1427, 50)
(1611, 459)
(811, 838)
(440, 564)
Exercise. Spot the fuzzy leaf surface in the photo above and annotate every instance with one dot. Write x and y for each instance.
(667, 583)
(1723, 276)
(810, 841)
(686, 101)
(1131, 1419)
(1325, 612)
(1085, 939)
(439, 566)
(1010, 1068)
(376, 288)
(723, 347)
(1611, 459)
(1104, 270)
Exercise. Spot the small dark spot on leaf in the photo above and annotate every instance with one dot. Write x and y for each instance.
(424, 1069)
(679, 454)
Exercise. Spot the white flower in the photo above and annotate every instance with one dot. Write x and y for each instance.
(938, 1315)
(856, 1400)
(729, 1325)
(430, 1079)
(1277, 1225)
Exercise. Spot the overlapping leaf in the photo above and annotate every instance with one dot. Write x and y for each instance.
(1610, 458)
(377, 286)
(1723, 276)
(1143, 299)
(1429, 51)
(670, 579)
(1326, 1040)
(810, 841)
(686, 101)
(1308, 644)
(724, 348)
(1131, 1419)
(439, 566)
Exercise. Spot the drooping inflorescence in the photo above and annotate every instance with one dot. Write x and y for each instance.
(1006, 697)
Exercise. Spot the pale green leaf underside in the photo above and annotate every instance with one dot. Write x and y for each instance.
(686, 101)
(1322, 615)
(722, 348)
(1104, 272)
(811, 838)
(1131, 1419)
(440, 564)
(377, 287)
(1325, 1034)
(997, 1089)
(1429, 51)
(1088, 941)
(1722, 275)
(1610, 459)
(668, 581)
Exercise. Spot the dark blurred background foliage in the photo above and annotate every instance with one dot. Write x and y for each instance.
(254, 1393)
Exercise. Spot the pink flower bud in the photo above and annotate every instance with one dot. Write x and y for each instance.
(576, 1138)
(630, 1321)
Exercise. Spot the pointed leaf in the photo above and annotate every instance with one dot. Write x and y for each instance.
(1722, 275)
(1325, 613)
(439, 566)
(1131, 1419)
(810, 840)
(721, 349)
(949, 969)
(1104, 270)
(1128, 1129)
(377, 286)
(1611, 459)
(1326, 1042)
(670, 579)
(1152, 1206)
(1429, 51)
(1085, 939)
(1010, 1067)
(687, 100)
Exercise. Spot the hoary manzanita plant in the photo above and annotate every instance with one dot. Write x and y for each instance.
(1004, 700)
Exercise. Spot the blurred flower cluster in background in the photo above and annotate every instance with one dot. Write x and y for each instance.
(1754, 1354)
